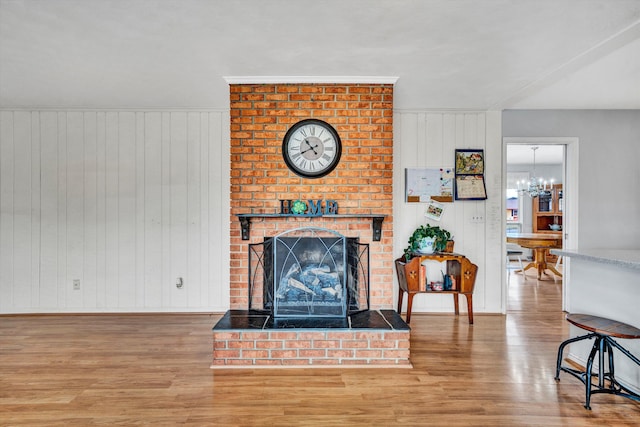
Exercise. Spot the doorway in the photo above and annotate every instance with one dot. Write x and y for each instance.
(556, 163)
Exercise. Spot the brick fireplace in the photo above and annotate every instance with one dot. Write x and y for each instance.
(361, 184)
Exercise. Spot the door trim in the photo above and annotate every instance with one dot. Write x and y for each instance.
(570, 196)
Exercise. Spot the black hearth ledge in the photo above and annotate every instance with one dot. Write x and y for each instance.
(364, 320)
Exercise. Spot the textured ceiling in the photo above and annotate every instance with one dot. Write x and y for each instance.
(447, 54)
(520, 154)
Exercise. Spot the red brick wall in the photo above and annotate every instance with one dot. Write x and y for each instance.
(361, 184)
(311, 348)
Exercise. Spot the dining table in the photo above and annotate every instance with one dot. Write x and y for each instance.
(540, 244)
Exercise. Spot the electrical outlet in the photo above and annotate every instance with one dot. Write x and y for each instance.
(76, 284)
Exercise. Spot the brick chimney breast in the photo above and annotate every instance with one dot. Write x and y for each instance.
(362, 183)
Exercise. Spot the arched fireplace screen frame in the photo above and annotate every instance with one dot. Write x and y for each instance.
(309, 272)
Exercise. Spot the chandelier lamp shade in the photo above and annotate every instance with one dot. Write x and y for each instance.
(535, 186)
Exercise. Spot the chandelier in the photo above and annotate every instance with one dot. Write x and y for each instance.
(535, 186)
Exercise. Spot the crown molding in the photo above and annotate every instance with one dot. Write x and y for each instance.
(310, 79)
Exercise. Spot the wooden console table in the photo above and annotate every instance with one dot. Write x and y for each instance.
(412, 279)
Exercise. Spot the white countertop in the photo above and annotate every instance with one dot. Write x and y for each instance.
(618, 257)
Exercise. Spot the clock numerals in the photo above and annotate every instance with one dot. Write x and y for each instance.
(305, 165)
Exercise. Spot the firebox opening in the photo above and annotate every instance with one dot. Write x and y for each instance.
(309, 272)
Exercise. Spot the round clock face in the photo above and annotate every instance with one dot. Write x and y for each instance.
(311, 148)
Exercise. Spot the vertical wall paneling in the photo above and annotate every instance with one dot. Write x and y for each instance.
(62, 211)
(75, 208)
(203, 181)
(36, 212)
(88, 286)
(494, 234)
(101, 284)
(423, 150)
(126, 210)
(48, 294)
(217, 217)
(111, 206)
(429, 140)
(6, 210)
(126, 202)
(179, 206)
(193, 207)
(22, 220)
(219, 207)
(140, 229)
(165, 175)
(435, 142)
(153, 279)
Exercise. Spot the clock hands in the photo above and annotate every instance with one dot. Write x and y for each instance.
(311, 148)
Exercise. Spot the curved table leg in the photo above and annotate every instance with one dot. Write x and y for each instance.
(540, 261)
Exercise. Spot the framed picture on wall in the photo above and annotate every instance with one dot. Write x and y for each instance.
(469, 162)
(470, 175)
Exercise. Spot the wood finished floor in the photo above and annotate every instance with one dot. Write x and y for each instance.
(154, 370)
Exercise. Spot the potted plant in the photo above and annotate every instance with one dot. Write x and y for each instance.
(427, 239)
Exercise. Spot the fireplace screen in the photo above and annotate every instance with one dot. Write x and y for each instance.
(309, 272)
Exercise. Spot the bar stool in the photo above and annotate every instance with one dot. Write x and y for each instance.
(603, 330)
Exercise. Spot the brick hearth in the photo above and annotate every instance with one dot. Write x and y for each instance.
(368, 339)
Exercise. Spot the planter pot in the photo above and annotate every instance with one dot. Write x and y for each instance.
(426, 245)
(449, 247)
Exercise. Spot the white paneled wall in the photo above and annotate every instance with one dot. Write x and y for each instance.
(127, 202)
(429, 140)
(123, 201)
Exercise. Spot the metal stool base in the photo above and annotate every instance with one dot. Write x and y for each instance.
(607, 382)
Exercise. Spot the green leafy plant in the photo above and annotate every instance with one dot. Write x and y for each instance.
(439, 245)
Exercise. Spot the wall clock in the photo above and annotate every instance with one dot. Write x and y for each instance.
(311, 148)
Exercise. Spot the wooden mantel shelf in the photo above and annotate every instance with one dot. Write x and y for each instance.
(376, 219)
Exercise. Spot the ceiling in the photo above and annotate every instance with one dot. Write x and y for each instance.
(446, 54)
(522, 154)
